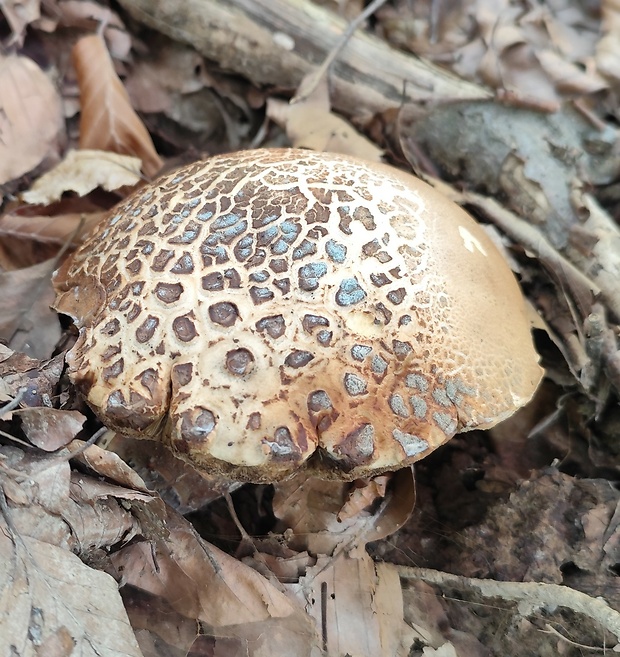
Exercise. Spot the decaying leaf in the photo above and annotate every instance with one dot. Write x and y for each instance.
(81, 172)
(27, 323)
(44, 589)
(52, 231)
(227, 597)
(108, 121)
(48, 597)
(323, 516)
(31, 120)
(90, 15)
(355, 603)
(178, 483)
(107, 464)
(49, 428)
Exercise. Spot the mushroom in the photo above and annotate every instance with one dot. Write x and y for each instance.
(268, 311)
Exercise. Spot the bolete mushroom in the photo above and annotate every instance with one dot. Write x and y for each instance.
(268, 311)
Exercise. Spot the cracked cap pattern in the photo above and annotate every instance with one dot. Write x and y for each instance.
(271, 310)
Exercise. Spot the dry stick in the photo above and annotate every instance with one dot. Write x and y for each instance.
(530, 596)
(323, 69)
(240, 35)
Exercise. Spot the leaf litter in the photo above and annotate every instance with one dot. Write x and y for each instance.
(308, 585)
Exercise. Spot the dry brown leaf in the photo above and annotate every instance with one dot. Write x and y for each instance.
(175, 70)
(32, 126)
(108, 464)
(229, 598)
(319, 514)
(44, 588)
(51, 503)
(49, 428)
(108, 122)
(567, 76)
(81, 172)
(177, 482)
(54, 513)
(191, 575)
(27, 323)
(54, 230)
(309, 123)
(364, 494)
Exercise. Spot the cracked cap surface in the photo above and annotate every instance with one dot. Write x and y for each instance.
(270, 310)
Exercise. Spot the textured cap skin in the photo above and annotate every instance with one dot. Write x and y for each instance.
(267, 311)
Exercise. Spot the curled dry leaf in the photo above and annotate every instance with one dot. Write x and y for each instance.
(31, 119)
(108, 121)
(53, 513)
(50, 502)
(81, 172)
(107, 464)
(323, 516)
(177, 482)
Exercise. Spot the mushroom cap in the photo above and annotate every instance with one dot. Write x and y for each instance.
(272, 310)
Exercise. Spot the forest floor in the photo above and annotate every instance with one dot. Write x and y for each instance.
(502, 542)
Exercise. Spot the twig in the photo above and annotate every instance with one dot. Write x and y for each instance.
(306, 90)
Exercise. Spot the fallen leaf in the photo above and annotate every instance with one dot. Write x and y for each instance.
(48, 230)
(107, 464)
(44, 589)
(608, 47)
(227, 597)
(50, 429)
(27, 323)
(177, 482)
(108, 122)
(32, 126)
(320, 516)
(81, 172)
(50, 502)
